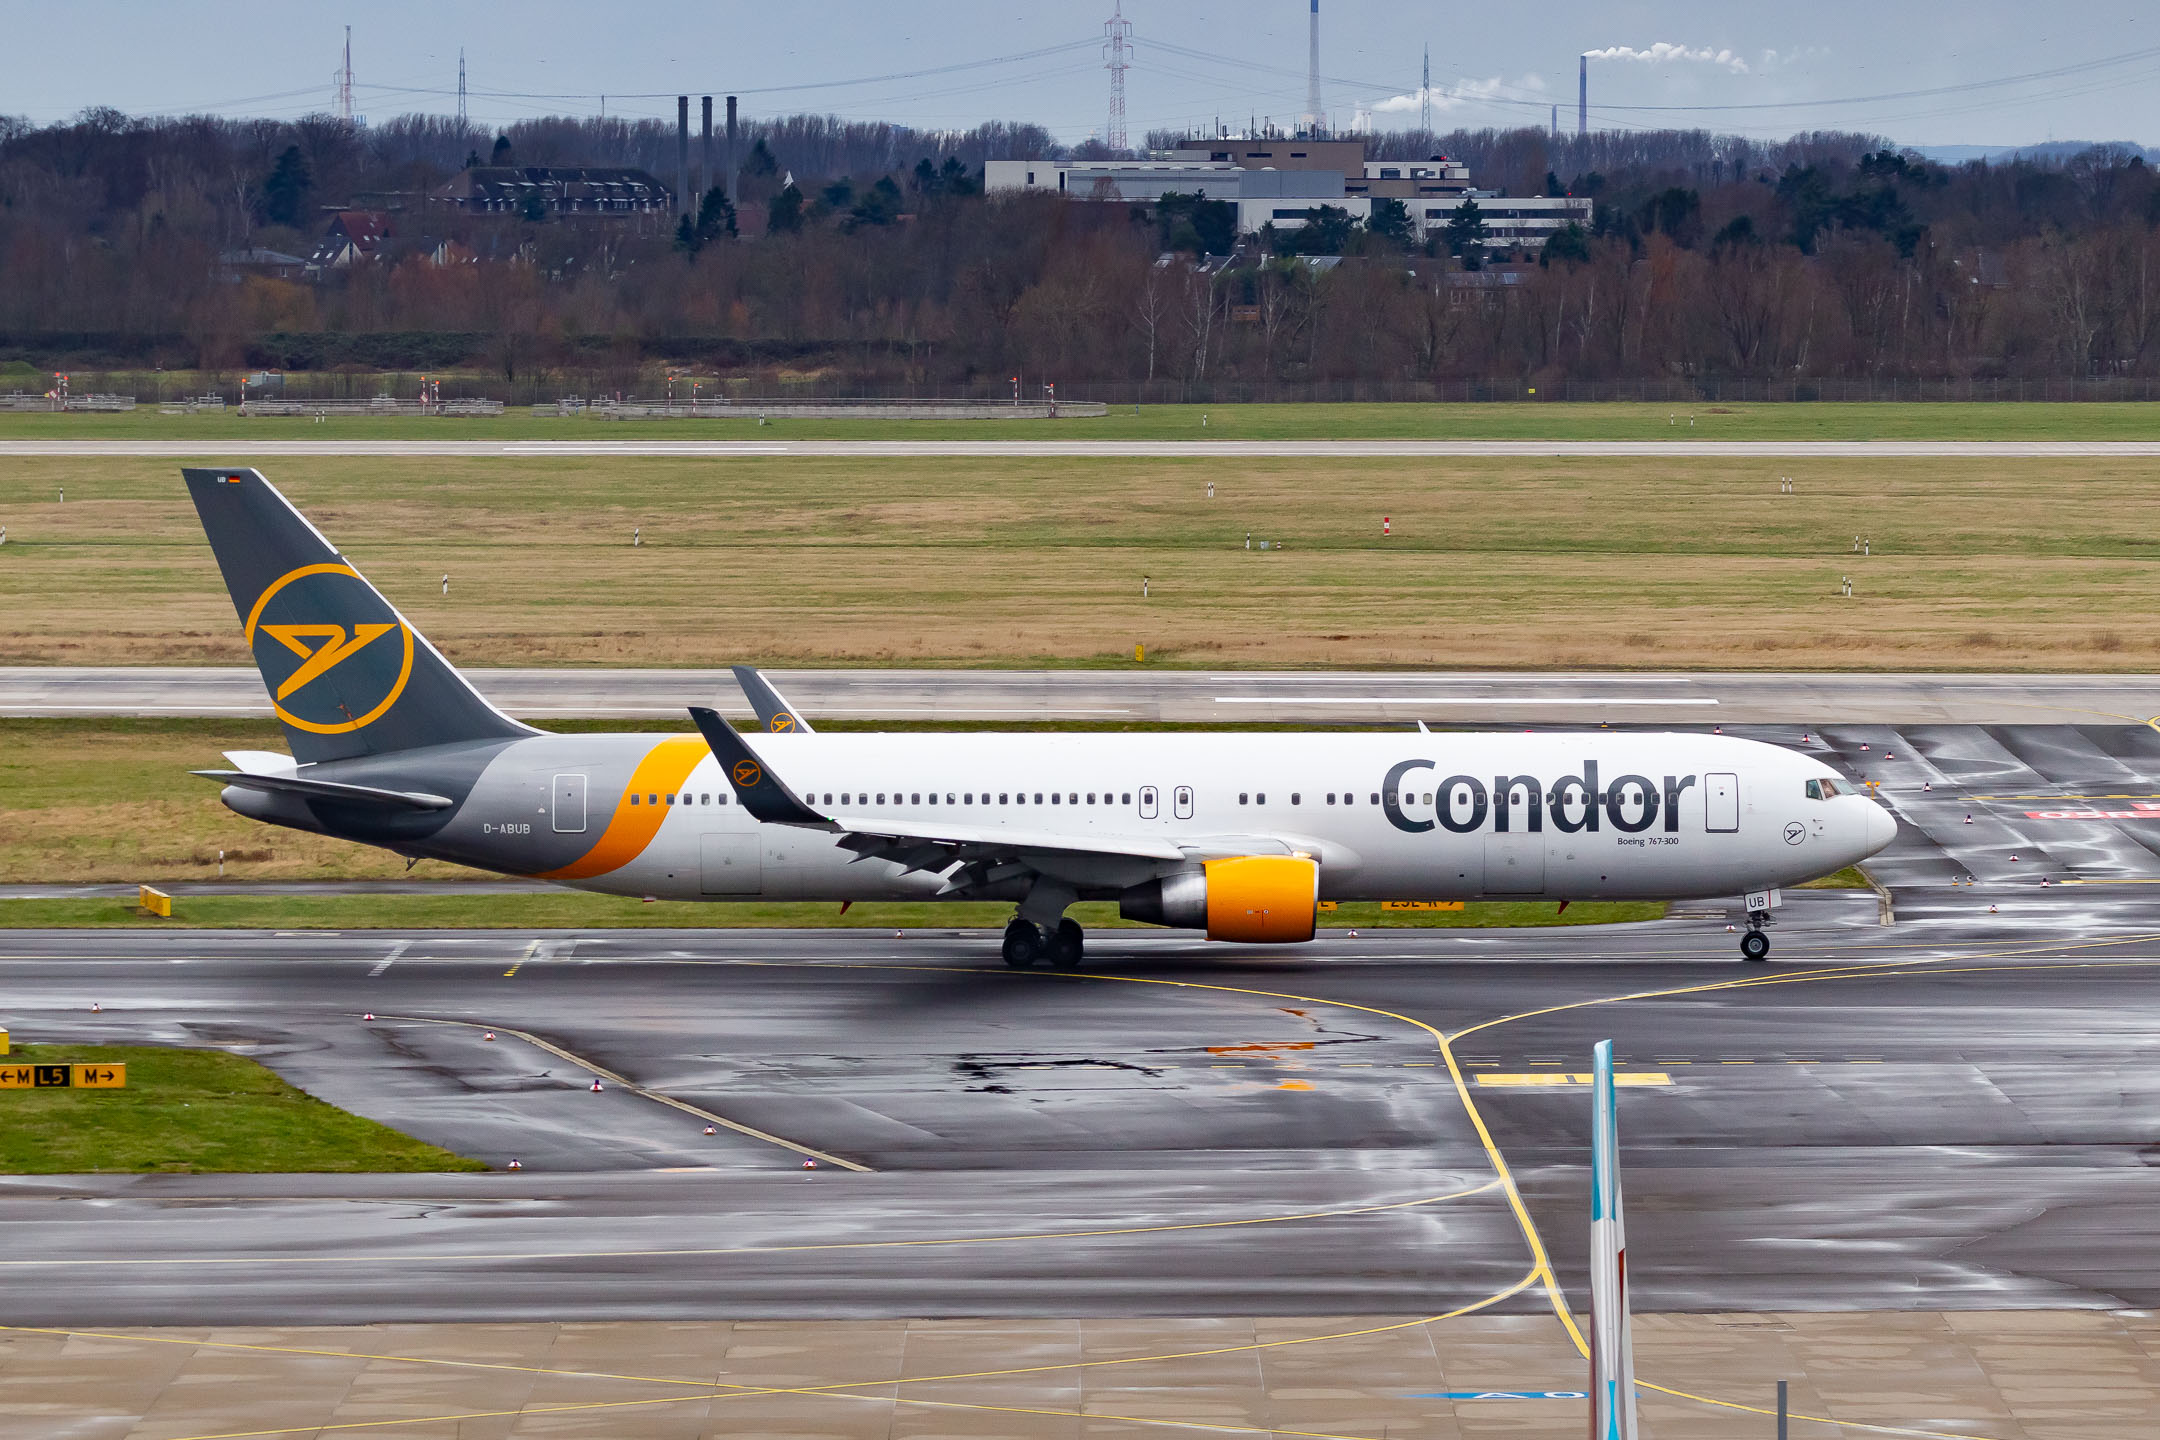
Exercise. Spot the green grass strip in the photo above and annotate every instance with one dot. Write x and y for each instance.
(193, 1112)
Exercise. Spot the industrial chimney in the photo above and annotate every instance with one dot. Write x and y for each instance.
(1314, 115)
(705, 170)
(682, 154)
(1582, 96)
(733, 163)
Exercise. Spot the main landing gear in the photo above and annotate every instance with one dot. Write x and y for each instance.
(1026, 942)
(1755, 945)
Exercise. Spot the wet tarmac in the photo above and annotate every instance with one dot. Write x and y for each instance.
(1959, 1111)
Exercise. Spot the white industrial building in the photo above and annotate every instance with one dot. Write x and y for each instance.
(1267, 195)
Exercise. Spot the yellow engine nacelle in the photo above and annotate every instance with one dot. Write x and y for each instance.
(1259, 899)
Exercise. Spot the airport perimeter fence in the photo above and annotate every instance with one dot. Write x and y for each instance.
(1728, 390)
(360, 393)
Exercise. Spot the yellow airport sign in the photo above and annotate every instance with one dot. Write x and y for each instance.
(157, 902)
(63, 1077)
(1421, 904)
(3, 1042)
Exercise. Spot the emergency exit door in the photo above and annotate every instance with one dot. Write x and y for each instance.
(569, 792)
(1721, 803)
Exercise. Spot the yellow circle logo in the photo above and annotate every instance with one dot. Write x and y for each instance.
(781, 720)
(747, 773)
(308, 650)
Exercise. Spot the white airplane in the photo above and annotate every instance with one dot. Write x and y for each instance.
(1237, 835)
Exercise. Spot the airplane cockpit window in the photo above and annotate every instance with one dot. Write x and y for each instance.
(1823, 790)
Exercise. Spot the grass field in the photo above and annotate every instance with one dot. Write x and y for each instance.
(1520, 562)
(190, 1112)
(570, 911)
(1520, 420)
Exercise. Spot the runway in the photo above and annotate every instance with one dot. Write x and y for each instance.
(1679, 698)
(251, 450)
(1955, 1112)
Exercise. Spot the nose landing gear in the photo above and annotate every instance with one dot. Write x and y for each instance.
(1755, 944)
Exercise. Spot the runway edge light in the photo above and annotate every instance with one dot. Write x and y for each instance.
(1612, 1342)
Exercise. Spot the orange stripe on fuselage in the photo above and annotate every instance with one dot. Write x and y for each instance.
(632, 827)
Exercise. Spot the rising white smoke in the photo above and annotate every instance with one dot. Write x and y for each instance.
(1461, 93)
(1664, 54)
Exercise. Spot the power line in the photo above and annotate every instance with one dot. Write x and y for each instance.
(1012, 59)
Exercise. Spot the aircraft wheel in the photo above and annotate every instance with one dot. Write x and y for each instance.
(1023, 944)
(1067, 945)
(1754, 946)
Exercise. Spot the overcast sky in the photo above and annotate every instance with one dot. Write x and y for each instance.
(1774, 69)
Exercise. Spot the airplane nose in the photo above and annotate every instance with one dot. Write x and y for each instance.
(1881, 827)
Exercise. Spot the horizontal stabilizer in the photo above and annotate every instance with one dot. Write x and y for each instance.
(329, 790)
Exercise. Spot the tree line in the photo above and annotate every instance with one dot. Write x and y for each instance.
(868, 257)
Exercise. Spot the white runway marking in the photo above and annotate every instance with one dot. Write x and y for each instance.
(395, 950)
(1454, 700)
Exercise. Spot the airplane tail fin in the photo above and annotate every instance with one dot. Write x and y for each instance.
(347, 674)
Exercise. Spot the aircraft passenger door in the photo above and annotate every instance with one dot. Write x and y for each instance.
(1148, 803)
(1721, 803)
(1181, 800)
(569, 793)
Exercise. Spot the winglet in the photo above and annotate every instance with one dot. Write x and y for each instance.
(773, 711)
(764, 794)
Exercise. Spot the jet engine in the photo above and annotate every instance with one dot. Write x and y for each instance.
(1259, 899)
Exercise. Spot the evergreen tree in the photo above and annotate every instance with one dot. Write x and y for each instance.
(285, 192)
(1466, 232)
(784, 212)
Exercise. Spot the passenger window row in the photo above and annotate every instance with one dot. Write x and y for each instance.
(1298, 798)
(971, 797)
(1816, 790)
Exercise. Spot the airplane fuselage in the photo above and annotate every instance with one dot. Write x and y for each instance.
(1386, 816)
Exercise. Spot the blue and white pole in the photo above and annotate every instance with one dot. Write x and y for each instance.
(1612, 1345)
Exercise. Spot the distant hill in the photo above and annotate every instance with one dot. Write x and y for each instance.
(2052, 151)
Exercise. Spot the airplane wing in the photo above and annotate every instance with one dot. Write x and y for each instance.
(921, 843)
(774, 713)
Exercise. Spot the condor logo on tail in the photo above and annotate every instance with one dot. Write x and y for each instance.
(333, 647)
(370, 674)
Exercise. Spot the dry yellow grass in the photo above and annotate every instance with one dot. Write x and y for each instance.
(1521, 562)
(111, 800)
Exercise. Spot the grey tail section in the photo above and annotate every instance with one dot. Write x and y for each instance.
(773, 711)
(348, 675)
(765, 795)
